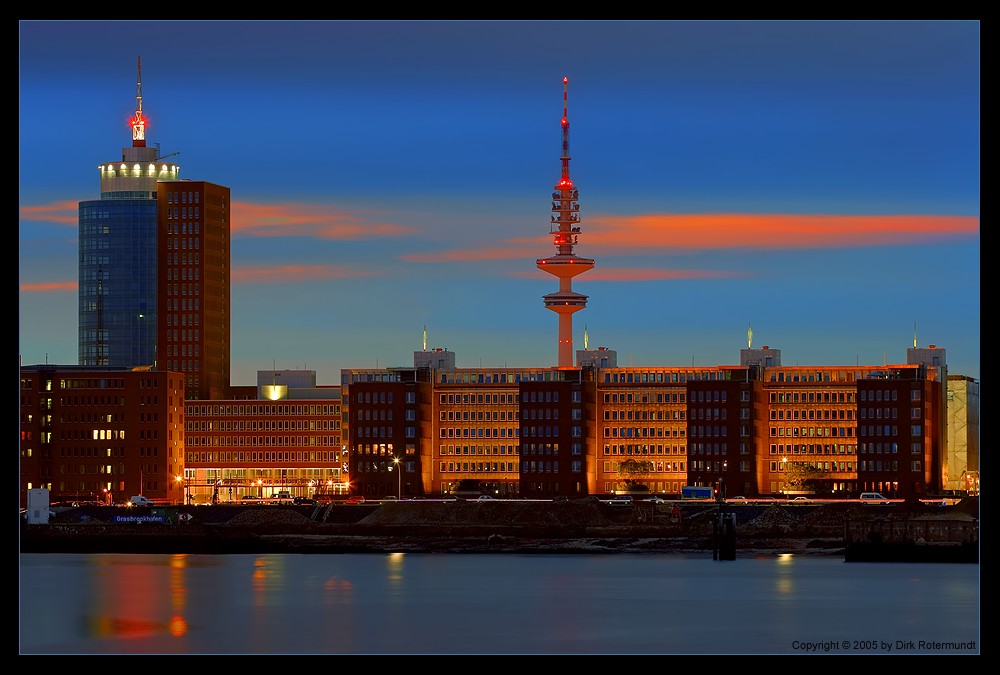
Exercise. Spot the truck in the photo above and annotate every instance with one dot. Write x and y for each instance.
(139, 500)
(697, 492)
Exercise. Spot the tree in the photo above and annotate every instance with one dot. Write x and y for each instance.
(632, 472)
(800, 475)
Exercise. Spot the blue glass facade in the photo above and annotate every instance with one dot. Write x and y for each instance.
(117, 282)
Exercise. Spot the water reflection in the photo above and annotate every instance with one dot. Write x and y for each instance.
(470, 603)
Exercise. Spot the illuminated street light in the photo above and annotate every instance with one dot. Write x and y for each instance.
(180, 483)
(399, 478)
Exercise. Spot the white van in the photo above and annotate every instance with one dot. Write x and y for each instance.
(873, 498)
(139, 500)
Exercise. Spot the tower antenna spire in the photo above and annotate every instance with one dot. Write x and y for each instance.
(565, 133)
(139, 121)
(565, 264)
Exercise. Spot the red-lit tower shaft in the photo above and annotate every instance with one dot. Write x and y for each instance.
(564, 226)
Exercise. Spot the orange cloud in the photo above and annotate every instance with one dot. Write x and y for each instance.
(769, 231)
(49, 287)
(642, 234)
(293, 273)
(309, 220)
(66, 213)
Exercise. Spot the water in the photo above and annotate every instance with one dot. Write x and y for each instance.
(493, 604)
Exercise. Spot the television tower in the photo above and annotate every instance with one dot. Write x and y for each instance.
(564, 226)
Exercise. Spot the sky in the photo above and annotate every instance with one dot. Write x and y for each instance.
(816, 183)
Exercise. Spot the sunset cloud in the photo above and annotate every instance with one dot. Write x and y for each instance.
(668, 231)
(770, 231)
(50, 287)
(310, 220)
(64, 213)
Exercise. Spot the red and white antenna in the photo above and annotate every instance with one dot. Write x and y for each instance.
(138, 122)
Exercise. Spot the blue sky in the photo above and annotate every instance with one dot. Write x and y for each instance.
(816, 181)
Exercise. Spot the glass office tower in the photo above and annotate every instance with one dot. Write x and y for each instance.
(118, 254)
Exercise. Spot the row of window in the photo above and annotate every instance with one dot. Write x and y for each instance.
(708, 448)
(176, 258)
(886, 395)
(644, 432)
(643, 449)
(812, 449)
(489, 432)
(655, 377)
(916, 447)
(480, 416)
(548, 431)
(183, 243)
(182, 197)
(262, 425)
(661, 398)
(181, 274)
(265, 456)
(477, 450)
(813, 397)
(263, 409)
(478, 399)
(811, 432)
(812, 414)
(825, 466)
(658, 415)
(181, 213)
(253, 441)
(478, 467)
(183, 289)
(657, 467)
(880, 465)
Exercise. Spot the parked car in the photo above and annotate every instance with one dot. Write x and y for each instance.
(739, 499)
(484, 498)
(305, 501)
(873, 498)
(801, 500)
(655, 500)
(355, 500)
(621, 500)
(250, 499)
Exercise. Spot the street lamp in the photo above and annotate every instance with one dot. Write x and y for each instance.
(180, 481)
(399, 478)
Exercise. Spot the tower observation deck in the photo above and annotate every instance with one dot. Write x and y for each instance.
(564, 226)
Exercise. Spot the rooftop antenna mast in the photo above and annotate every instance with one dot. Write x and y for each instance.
(139, 121)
